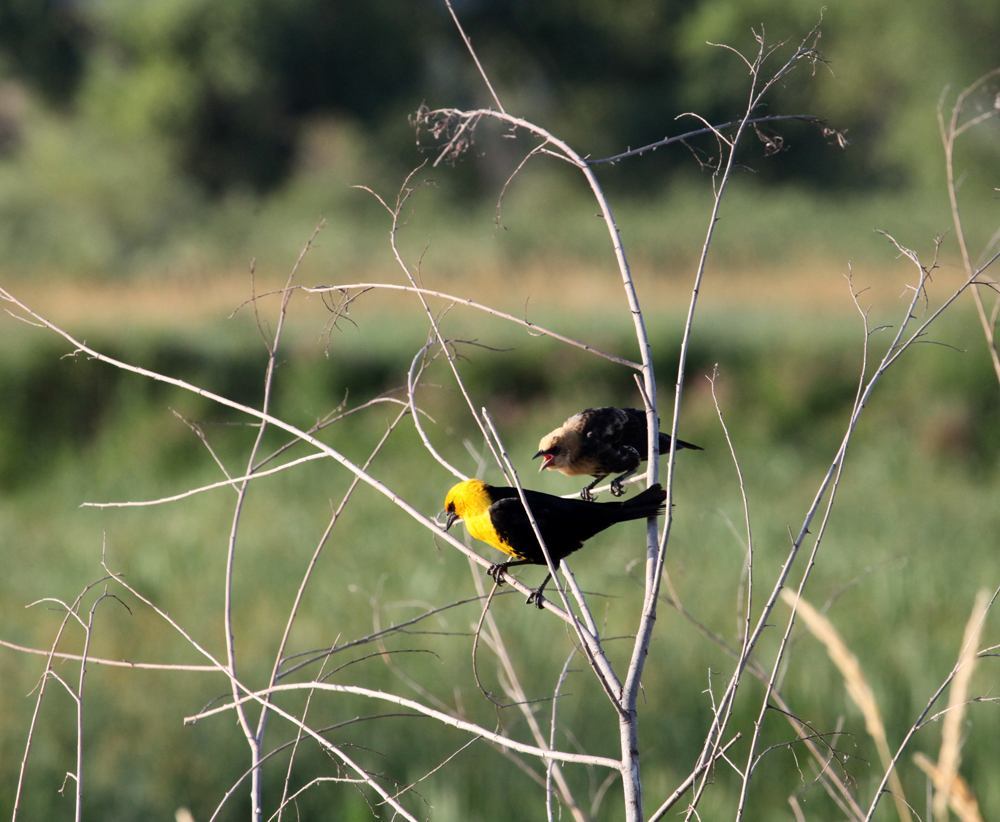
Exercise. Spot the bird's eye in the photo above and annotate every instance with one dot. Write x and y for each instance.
(451, 508)
(555, 450)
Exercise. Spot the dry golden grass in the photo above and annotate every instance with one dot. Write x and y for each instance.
(950, 788)
(562, 285)
(857, 688)
(962, 800)
(950, 756)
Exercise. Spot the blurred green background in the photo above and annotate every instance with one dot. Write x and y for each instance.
(180, 135)
(149, 150)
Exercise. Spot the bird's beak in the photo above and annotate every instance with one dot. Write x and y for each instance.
(450, 521)
(546, 459)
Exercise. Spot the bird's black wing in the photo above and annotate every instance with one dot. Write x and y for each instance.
(603, 424)
(514, 528)
(564, 523)
(606, 440)
(635, 433)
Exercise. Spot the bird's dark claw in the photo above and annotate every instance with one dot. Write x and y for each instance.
(536, 599)
(587, 494)
(497, 571)
(617, 489)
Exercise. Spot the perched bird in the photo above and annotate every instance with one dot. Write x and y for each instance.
(496, 515)
(600, 442)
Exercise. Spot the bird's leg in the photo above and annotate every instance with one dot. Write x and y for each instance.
(536, 595)
(499, 569)
(586, 494)
(617, 489)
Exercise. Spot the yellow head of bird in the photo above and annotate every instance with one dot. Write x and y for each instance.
(468, 498)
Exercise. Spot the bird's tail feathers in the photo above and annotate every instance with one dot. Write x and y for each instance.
(646, 504)
(665, 445)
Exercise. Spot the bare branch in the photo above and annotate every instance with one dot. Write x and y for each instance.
(561, 756)
(468, 45)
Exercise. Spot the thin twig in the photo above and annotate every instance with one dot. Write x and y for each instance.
(472, 51)
(714, 129)
(532, 327)
(949, 134)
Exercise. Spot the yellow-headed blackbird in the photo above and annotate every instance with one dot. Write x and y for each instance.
(496, 515)
(600, 442)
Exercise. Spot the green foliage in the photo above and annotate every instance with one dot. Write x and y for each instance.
(44, 41)
(888, 65)
(80, 196)
(230, 85)
(182, 121)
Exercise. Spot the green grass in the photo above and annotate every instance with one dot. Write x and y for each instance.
(913, 537)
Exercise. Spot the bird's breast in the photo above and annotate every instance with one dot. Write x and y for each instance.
(481, 527)
(582, 466)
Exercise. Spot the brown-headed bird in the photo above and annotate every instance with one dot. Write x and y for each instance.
(601, 442)
(496, 516)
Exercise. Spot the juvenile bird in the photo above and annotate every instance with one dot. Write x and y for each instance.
(600, 442)
(495, 515)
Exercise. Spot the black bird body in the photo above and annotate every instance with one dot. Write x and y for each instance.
(601, 442)
(496, 516)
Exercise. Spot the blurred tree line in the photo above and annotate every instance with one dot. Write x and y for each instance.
(198, 99)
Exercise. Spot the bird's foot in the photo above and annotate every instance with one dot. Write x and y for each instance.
(536, 599)
(497, 572)
(617, 489)
(587, 495)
